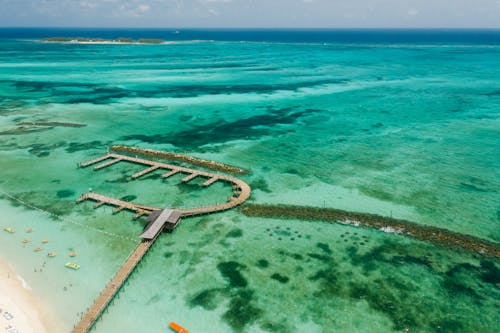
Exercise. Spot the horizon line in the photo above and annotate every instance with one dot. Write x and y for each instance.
(253, 28)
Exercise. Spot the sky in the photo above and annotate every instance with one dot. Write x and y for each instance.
(252, 13)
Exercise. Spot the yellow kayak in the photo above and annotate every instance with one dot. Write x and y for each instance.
(72, 265)
(10, 230)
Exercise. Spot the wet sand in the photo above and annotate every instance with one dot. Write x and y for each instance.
(20, 309)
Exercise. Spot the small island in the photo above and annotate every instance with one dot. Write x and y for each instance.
(87, 40)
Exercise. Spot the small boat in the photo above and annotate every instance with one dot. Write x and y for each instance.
(72, 254)
(72, 265)
(26, 240)
(178, 328)
(52, 254)
(10, 230)
(45, 241)
(37, 249)
(29, 231)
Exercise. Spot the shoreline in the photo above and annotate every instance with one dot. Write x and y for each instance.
(20, 310)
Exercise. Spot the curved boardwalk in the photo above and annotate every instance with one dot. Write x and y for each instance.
(243, 187)
(102, 301)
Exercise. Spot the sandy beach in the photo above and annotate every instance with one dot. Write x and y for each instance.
(20, 310)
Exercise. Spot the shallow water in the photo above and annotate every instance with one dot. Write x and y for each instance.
(406, 131)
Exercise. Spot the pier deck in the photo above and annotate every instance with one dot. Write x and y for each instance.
(146, 171)
(105, 297)
(243, 195)
(104, 200)
(107, 164)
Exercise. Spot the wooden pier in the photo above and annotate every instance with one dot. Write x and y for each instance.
(106, 164)
(243, 188)
(97, 160)
(159, 219)
(190, 177)
(104, 200)
(112, 288)
(144, 172)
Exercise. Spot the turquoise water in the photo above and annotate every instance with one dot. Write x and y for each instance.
(403, 130)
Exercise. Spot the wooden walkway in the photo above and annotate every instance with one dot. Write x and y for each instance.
(241, 188)
(159, 219)
(112, 288)
(102, 200)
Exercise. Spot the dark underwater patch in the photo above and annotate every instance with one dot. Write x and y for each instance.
(42, 150)
(235, 233)
(263, 263)
(280, 278)
(194, 90)
(37, 86)
(119, 180)
(388, 253)
(152, 176)
(241, 312)
(80, 146)
(319, 257)
(155, 299)
(100, 99)
(472, 187)
(329, 276)
(324, 247)
(43, 154)
(65, 193)
(260, 184)
(464, 279)
(376, 193)
(24, 130)
(490, 273)
(292, 171)
(205, 299)
(388, 301)
(221, 131)
(295, 256)
(231, 271)
(129, 198)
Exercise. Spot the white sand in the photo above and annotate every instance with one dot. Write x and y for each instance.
(20, 310)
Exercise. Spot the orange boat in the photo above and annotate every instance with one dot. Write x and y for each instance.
(178, 328)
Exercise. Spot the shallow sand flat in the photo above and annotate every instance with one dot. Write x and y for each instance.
(20, 310)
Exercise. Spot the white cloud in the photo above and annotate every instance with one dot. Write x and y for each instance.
(143, 8)
(252, 13)
(413, 12)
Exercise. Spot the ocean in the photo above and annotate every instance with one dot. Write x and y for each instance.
(399, 123)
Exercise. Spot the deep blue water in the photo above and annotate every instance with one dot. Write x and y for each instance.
(376, 36)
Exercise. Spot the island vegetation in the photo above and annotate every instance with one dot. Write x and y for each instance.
(88, 40)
